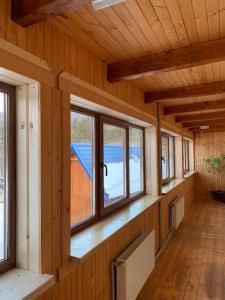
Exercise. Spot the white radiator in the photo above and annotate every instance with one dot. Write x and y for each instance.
(177, 212)
(133, 266)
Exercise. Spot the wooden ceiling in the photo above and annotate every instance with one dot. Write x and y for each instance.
(172, 49)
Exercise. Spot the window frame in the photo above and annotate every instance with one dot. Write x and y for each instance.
(168, 179)
(94, 218)
(10, 129)
(186, 155)
(100, 210)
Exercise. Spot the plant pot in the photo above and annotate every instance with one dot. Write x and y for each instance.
(219, 195)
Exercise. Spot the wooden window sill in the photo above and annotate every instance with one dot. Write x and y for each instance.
(189, 173)
(17, 284)
(166, 188)
(86, 241)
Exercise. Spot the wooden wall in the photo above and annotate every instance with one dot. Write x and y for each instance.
(185, 189)
(207, 144)
(91, 279)
(62, 53)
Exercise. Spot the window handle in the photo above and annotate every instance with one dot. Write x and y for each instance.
(106, 168)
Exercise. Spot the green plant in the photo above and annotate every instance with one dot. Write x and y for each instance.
(216, 165)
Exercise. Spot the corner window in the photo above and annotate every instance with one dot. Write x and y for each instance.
(168, 157)
(7, 177)
(186, 162)
(107, 165)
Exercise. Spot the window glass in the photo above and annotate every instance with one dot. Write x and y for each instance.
(114, 164)
(136, 160)
(165, 157)
(82, 167)
(172, 157)
(186, 155)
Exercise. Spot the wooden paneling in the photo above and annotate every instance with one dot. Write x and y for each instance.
(138, 28)
(62, 52)
(91, 279)
(185, 189)
(207, 144)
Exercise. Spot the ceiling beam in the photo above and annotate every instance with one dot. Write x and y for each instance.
(193, 107)
(204, 123)
(202, 116)
(213, 88)
(208, 130)
(171, 60)
(27, 12)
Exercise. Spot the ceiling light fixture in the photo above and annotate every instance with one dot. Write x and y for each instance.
(100, 4)
(204, 127)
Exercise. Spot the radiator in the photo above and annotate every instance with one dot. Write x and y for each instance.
(133, 266)
(176, 212)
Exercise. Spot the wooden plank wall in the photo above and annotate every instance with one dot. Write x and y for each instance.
(187, 190)
(207, 144)
(91, 279)
(62, 53)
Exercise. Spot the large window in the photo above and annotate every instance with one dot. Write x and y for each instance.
(186, 155)
(168, 158)
(7, 177)
(107, 165)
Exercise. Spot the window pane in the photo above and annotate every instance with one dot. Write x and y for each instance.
(172, 171)
(82, 167)
(136, 160)
(186, 155)
(3, 182)
(114, 160)
(165, 157)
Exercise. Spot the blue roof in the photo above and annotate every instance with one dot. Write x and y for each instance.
(112, 154)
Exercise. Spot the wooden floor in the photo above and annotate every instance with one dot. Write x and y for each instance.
(193, 264)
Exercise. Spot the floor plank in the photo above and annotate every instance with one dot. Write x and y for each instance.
(192, 266)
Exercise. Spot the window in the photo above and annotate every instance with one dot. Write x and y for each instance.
(186, 155)
(7, 177)
(83, 144)
(168, 158)
(107, 165)
(136, 162)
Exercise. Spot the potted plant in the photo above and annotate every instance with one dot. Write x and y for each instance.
(216, 165)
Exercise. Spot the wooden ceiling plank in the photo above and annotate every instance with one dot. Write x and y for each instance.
(166, 21)
(137, 14)
(109, 27)
(186, 8)
(130, 22)
(212, 88)
(202, 116)
(201, 106)
(92, 27)
(153, 20)
(123, 29)
(176, 17)
(171, 60)
(26, 12)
